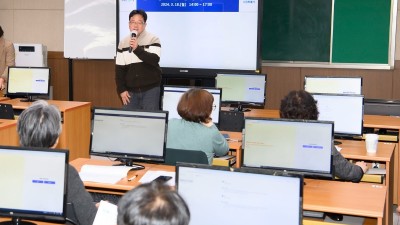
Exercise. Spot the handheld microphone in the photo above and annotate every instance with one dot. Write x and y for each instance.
(133, 34)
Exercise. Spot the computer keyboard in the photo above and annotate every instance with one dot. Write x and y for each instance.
(97, 197)
(313, 214)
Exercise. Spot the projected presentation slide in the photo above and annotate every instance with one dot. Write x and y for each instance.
(200, 34)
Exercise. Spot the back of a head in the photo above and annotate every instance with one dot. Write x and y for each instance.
(299, 105)
(39, 125)
(152, 204)
(196, 105)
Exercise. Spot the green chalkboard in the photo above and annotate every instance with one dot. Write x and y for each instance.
(296, 30)
(361, 31)
(353, 31)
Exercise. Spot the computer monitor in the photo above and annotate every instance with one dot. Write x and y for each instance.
(33, 184)
(242, 89)
(172, 95)
(303, 146)
(222, 195)
(346, 111)
(28, 82)
(382, 107)
(333, 85)
(129, 135)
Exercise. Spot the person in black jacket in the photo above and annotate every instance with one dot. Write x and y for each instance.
(302, 105)
(40, 126)
(137, 69)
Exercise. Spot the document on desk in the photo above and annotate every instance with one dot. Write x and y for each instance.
(103, 174)
(379, 171)
(106, 214)
(150, 175)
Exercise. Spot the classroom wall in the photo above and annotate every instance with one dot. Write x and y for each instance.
(42, 21)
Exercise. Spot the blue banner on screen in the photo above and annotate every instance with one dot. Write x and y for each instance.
(189, 5)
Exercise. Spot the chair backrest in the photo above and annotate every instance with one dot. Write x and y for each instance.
(173, 156)
(6, 111)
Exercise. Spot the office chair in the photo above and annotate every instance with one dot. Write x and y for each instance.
(172, 156)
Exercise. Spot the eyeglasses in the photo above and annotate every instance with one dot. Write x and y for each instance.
(138, 23)
(214, 107)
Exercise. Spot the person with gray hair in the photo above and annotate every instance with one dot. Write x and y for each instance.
(40, 126)
(152, 204)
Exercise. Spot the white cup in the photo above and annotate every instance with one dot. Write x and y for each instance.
(371, 142)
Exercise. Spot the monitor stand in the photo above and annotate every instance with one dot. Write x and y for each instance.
(240, 108)
(16, 221)
(29, 98)
(335, 142)
(129, 162)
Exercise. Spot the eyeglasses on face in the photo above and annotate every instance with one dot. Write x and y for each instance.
(138, 23)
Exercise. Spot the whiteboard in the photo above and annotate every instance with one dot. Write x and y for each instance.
(90, 29)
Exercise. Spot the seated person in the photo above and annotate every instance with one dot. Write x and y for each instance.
(40, 126)
(301, 105)
(152, 204)
(196, 131)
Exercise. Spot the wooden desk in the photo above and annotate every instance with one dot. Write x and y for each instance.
(370, 121)
(75, 134)
(123, 185)
(8, 132)
(356, 150)
(392, 123)
(235, 144)
(357, 199)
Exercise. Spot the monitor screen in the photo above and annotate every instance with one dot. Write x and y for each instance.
(28, 81)
(129, 135)
(346, 111)
(172, 95)
(333, 85)
(29, 189)
(294, 145)
(242, 88)
(222, 195)
(201, 38)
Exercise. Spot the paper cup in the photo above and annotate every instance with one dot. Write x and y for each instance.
(371, 142)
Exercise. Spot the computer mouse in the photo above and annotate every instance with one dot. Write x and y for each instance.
(335, 217)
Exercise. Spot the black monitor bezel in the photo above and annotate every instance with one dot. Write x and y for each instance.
(33, 215)
(189, 87)
(346, 134)
(306, 173)
(28, 94)
(262, 171)
(127, 156)
(244, 102)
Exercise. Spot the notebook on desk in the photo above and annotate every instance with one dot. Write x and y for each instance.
(6, 111)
